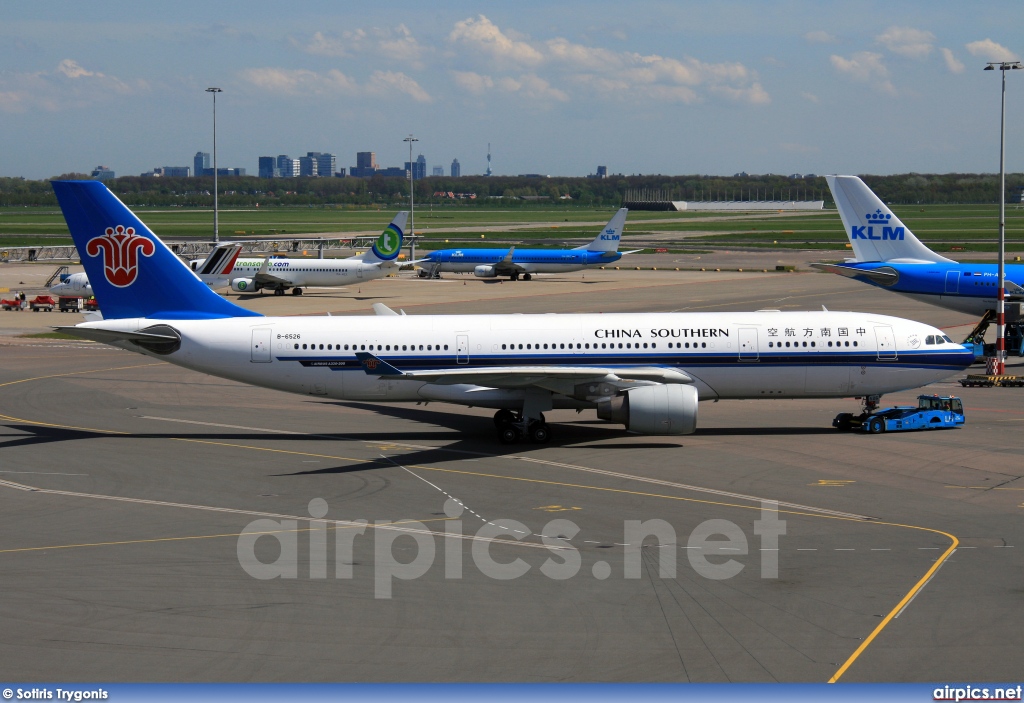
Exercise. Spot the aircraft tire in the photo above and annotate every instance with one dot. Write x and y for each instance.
(296, 291)
(278, 291)
(509, 435)
(877, 426)
(540, 433)
(504, 417)
(527, 277)
(514, 276)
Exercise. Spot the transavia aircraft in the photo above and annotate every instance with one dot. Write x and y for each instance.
(212, 270)
(888, 255)
(224, 268)
(646, 371)
(512, 262)
(280, 274)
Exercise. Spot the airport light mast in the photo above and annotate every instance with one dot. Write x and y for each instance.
(1003, 67)
(412, 206)
(216, 227)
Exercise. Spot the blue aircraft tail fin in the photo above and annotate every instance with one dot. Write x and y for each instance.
(875, 233)
(389, 244)
(133, 273)
(610, 235)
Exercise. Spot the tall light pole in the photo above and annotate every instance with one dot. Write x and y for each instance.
(412, 208)
(1003, 66)
(216, 228)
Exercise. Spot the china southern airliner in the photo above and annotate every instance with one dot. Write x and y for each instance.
(646, 371)
(888, 255)
(512, 262)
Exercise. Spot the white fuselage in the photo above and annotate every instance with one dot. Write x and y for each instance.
(74, 286)
(728, 355)
(312, 272)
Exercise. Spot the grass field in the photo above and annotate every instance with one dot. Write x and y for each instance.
(948, 228)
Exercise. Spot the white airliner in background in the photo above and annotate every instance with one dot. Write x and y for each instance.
(279, 273)
(210, 270)
(646, 371)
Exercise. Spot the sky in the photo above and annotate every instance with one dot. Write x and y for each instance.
(556, 88)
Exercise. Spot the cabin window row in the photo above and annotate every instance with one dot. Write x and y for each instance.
(604, 345)
(812, 344)
(370, 347)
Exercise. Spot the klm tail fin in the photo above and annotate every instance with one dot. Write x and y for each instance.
(133, 273)
(611, 233)
(875, 233)
(389, 243)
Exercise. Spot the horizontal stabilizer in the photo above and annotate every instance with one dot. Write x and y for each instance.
(884, 276)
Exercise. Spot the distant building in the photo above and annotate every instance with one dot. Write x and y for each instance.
(268, 167)
(169, 172)
(392, 172)
(201, 163)
(102, 173)
(326, 163)
(602, 172)
(308, 166)
(340, 172)
(366, 165)
(456, 169)
(418, 167)
(437, 171)
(287, 166)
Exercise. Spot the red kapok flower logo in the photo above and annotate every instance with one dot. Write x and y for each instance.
(120, 248)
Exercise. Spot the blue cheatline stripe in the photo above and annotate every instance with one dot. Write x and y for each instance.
(926, 360)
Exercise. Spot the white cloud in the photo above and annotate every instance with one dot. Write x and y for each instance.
(68, 85)
(988, 49)
(321, 44)
(820, 36)
(907, 41)
(810, 97)
(284, 81)
(402, 46)
(484, 36)
(865, 67)
(387, 82)
(473, 82)
(952, 62)
(532, 86)
(755, 94)
(607, 73)
(396, 44)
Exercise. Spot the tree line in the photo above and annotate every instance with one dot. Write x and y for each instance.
(508, 191)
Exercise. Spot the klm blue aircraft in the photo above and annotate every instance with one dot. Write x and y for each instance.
(888, 255)
(491, 263)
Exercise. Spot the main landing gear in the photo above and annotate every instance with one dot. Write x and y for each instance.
(296, 291)
(513, 427)
(279, 291)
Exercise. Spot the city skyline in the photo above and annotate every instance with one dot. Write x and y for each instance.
(644, 87)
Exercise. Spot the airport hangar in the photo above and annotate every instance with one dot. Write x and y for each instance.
(126, 483)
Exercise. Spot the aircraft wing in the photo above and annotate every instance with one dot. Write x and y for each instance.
(552, 378)
(265, 278)
(883, 276)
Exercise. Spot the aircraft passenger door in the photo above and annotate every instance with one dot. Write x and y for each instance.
(952, 282)
(886, 342)
(748, 343)
(261, 344)
(462, 349)
(359, 271)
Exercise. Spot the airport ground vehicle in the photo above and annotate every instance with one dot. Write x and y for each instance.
(42, 303)
(68, 303)
(932, 412)
(10, 304)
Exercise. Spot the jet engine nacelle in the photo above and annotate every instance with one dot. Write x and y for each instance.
(485, 271)
(662, 409)
(243, 285)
